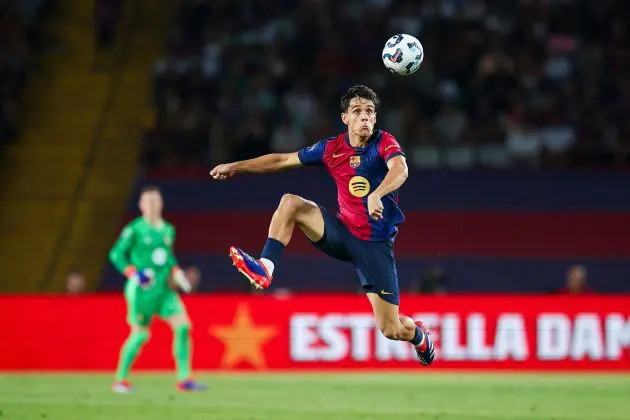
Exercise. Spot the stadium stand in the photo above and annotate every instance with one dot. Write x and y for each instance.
(503, 84)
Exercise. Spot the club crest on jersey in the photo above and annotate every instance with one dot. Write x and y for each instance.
(355, 161)
(159, 256)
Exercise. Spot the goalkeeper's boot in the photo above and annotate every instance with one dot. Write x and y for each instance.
(251, 268)
(122, 387)
(190, 385)
(425, 351)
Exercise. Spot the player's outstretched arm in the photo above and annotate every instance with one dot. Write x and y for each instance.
(273, 162)
(396, 176)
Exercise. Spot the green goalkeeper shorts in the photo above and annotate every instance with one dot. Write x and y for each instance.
(142, 306)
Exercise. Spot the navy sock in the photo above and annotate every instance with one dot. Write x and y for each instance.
(272, 250)
(418, 336)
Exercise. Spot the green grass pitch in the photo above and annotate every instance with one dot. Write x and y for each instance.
(444, 396)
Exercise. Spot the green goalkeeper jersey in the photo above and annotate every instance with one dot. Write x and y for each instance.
(146, 247)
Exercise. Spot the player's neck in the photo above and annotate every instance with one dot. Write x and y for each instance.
(154, 221)
(358, 141)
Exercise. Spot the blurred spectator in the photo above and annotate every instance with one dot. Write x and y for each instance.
(282, 293)
(432, 281)
(287, 137)
(449, 125)
(252, 141)
(503, 83)
(75, 283)
(194, 276)
(575, 283)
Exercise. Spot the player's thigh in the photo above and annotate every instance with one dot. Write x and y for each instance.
(376, 267)
(308, 217)
(173, 311)
(334, 241)
(140, 311)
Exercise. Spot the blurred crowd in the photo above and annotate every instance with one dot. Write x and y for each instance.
(17, 38)
(525, 83)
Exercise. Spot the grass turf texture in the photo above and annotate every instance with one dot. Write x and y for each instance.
(324, 396)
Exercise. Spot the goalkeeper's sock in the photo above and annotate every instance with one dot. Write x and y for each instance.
(181, 351)
(129, 352)
(271, 253)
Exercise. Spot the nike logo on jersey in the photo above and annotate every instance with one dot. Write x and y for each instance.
(391, 145)
(336, 155)
(383, 292)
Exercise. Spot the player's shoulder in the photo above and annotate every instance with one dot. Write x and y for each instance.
(384, 136)
(135, 223)
(332, 142)
(385, 141)
(330, 139)
(169, 226)
(131, 227)
(327, 145)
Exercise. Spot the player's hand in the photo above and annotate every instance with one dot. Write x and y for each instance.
(144, 279)
(223, 171)
(180, 279)
(375, 206)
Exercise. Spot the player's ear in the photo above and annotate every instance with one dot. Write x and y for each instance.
(344, 118)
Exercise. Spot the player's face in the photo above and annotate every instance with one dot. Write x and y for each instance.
(360, 117)
(151, 204)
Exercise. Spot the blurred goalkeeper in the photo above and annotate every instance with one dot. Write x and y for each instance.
(144, 254)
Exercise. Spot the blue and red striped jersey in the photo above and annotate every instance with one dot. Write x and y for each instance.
(358, 171)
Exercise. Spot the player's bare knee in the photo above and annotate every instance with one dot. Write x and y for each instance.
(141, 333)
(181, 322)
(291, 204)
(136, 329)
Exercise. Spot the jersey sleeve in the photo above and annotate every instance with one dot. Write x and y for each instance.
(119, 254)
(314, 154)
(389, 147)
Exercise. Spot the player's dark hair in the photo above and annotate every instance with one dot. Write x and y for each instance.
(359, 91)
(150, 188)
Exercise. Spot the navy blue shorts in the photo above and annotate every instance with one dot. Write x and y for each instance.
(373, 260)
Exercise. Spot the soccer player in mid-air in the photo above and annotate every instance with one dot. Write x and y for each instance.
(368, 167)
(143, 253)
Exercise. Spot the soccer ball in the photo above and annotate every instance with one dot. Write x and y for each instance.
(402, 54)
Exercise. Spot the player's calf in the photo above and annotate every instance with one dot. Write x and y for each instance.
(136, 339)
(402, 328)
(395, 330)
(285, 216)
(414, 332)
